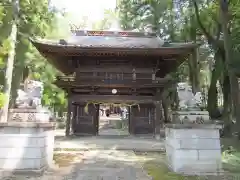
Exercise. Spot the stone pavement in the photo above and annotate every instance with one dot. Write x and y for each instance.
(118, 142)
(111, 165)
(97, 165)
(128, 143)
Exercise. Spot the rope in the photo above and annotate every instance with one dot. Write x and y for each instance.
(109, 104)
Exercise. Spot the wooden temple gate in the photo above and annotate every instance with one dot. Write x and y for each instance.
(132, 64)
(142, 117)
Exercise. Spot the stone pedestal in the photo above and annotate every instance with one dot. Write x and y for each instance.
(26, 145)
(190, 116)
(193, 149)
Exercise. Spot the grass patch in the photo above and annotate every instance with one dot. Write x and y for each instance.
(159, 171)
(66, 159)
(231, 161)
(231, 155)
(69, 149)
(230, 142)
(155, 165)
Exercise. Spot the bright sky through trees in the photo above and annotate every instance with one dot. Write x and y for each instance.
(93, 9)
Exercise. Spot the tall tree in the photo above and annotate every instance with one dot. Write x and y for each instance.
(34, 19)
(10, 60)
(194, 58)
(234, 85)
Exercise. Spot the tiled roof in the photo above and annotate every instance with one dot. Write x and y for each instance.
(111, 39)
(119, 42)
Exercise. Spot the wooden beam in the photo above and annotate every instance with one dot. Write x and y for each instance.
(112, 77)
(136, 61)
(114, 83)
(113, 98)
(109, 90)
(114, 69)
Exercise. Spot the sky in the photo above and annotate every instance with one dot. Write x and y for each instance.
(93, 9)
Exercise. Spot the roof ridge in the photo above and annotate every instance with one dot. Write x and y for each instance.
(113, 33)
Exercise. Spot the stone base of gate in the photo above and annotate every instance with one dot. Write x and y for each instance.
(193, 149)
(26, 145)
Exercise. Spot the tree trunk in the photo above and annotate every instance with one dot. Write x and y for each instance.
(172, 30)
(193, 62)
(166, 104)
(20, 71)
(10, 60)
(212, 91)
(16, 81)
(227, 108)
(234, 87)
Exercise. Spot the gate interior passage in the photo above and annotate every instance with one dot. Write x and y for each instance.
(135, 64)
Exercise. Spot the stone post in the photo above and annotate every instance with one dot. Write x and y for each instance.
(27, 141)
(193, 149)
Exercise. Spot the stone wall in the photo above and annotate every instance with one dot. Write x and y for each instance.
(26, 146)
(194, 150)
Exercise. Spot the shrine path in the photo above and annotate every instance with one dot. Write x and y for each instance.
(97, 158)
(95, 165)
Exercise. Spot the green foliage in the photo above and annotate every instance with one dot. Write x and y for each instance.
(4, 48)
(44, 72)
(139, 14)
(35, 19)
(2, 99)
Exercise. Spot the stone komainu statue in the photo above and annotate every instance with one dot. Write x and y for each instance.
(186, 98)
(31, 95)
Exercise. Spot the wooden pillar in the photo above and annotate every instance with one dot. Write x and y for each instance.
(97, 119)
(130, 120)
(75, 109)
(69, 114)
(158, 114)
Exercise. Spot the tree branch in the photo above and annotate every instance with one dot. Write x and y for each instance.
(210, 39)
